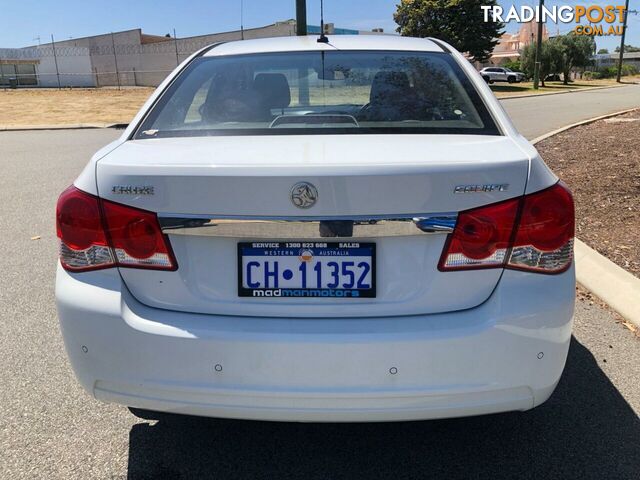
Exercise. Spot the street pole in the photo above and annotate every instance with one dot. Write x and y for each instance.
(175, 41)
(241, 19)
(301, 17)
(624, 31)
(115, 60)
(55, 60)
(536, 68)
(4, 87)
(303, 73)
(2, 76)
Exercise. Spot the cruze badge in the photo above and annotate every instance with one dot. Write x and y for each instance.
(132, 190)
(304, 195)
(492, 187)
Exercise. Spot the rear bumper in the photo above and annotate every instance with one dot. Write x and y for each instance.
(506, 354)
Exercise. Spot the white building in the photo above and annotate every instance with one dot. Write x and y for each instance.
(36, 66)
(139, 59)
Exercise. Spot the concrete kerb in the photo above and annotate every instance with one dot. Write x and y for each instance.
(614, 285)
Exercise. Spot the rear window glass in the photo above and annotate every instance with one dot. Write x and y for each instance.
(318, 93)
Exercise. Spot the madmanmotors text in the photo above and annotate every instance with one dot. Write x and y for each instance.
(291, 292)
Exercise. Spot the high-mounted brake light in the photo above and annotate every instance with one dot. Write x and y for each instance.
(96, 233)
(534, 232)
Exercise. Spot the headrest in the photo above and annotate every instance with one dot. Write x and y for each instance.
(389, 85)
(273, 88)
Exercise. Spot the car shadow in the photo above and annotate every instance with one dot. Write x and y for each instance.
(510, 88)
(586, 430)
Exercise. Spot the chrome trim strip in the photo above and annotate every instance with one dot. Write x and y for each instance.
(373, 226)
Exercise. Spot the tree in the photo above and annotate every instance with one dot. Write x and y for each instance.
(576, 52)
(603, 51)
(514, 65)
(457, 22)
(550, 54)
(559, 55)
(628, 49)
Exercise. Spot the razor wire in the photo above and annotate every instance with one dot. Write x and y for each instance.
(184, 47)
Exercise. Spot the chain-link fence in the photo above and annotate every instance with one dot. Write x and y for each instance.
(95, 65)
(128, 58)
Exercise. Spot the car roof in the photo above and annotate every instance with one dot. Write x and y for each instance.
(310, 43)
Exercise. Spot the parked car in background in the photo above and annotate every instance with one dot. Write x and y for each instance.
(501, 74)
(305, 231)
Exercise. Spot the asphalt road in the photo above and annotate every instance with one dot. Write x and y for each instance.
(535, 116)
(49, 428)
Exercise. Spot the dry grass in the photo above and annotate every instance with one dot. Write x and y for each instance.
(38, 107)
(32, 107)
(526, 88)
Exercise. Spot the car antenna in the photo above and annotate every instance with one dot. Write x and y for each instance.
(323, 38)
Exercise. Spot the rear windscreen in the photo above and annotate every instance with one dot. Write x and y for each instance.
(318, 93)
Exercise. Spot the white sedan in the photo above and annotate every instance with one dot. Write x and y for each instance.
(307, 231)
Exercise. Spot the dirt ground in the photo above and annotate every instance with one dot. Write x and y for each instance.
(70, 106)
(601, 164)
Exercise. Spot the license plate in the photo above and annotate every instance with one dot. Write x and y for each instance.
(306, 269)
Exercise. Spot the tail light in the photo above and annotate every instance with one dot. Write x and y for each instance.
(96, 233)
(534, 233)
(544, 238)
(83, 241)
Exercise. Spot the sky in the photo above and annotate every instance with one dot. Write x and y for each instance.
(23, 21)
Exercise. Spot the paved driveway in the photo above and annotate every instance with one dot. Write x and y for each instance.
(49, 428)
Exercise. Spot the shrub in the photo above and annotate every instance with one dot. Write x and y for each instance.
(513, 65)
(612, 70)
(608, 72)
